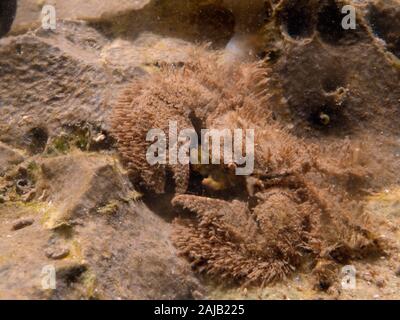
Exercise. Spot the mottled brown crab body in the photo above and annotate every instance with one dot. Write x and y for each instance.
(289, 213)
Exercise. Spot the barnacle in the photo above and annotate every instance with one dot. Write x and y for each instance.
(325, 119)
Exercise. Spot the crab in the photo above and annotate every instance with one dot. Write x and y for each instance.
(289, 213)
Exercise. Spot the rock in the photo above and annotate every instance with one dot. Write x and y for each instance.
(29, 115)
(312, 84)
(48, 98)
(22, 223)
(127, 254)
(380, 282)
(215, 21)
(397, 272)
(317, 57)
(7, 15)
(29, 11)
(56, 253)
(9, 157)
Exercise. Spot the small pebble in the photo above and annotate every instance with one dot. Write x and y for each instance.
(22, 223)
(56, 253)
(380, 283)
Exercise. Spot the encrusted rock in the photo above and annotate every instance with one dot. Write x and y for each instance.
(22, 223)
(49, 97)
(127, 254)
(57, 252)
(9, 157)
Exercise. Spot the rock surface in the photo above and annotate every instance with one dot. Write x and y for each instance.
(105, 254)
(334, 67)
(9, 157)
(69, 77)
(29, 11)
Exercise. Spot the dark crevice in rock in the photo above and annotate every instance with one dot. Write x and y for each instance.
(297, 19)
(333, 82)
(327, 117)
(160, 204)
(329, 25)
(72, 274)
(215, 20)
(8, 10)
(385, 24)
(35, 140)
